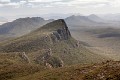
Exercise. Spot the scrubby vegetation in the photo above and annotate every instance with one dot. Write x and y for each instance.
(103, 71)
(46, 48)
(56, 37)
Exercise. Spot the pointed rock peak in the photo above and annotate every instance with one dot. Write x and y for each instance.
(57, 24)
(57, 28)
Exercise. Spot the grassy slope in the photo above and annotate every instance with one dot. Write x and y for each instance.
(11, 65)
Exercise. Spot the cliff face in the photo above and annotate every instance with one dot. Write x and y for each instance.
(62, 32)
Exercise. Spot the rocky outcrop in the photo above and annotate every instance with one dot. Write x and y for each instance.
(48, 60)
(24, 57)
(61, 32)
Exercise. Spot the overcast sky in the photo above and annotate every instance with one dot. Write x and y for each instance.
(30, 7)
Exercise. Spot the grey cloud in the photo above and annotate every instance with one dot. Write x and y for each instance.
(94, 3)
(4, 1)
(17, 0)
(83, 7)
(67, 0)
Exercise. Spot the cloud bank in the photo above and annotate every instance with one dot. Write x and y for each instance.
(54, 3)
(21, 7)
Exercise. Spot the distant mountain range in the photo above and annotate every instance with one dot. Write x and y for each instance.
(85, 21)
(40, 47)
(78, 21)
(95, 18)
(22, 26)
(108, 17)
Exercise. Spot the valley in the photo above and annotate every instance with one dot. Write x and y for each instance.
(108, 46)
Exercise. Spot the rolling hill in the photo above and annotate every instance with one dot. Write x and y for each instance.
(95, 18)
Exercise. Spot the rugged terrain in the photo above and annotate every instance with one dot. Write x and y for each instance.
(53, 52)
(103, 71)
(53, 37)
(50, 46)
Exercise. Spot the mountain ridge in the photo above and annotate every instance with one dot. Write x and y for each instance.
(54, 36)
(48, 47)
(80, 21)
(22, 26)
(95, 18)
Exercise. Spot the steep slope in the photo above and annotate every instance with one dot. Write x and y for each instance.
(22, 26)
